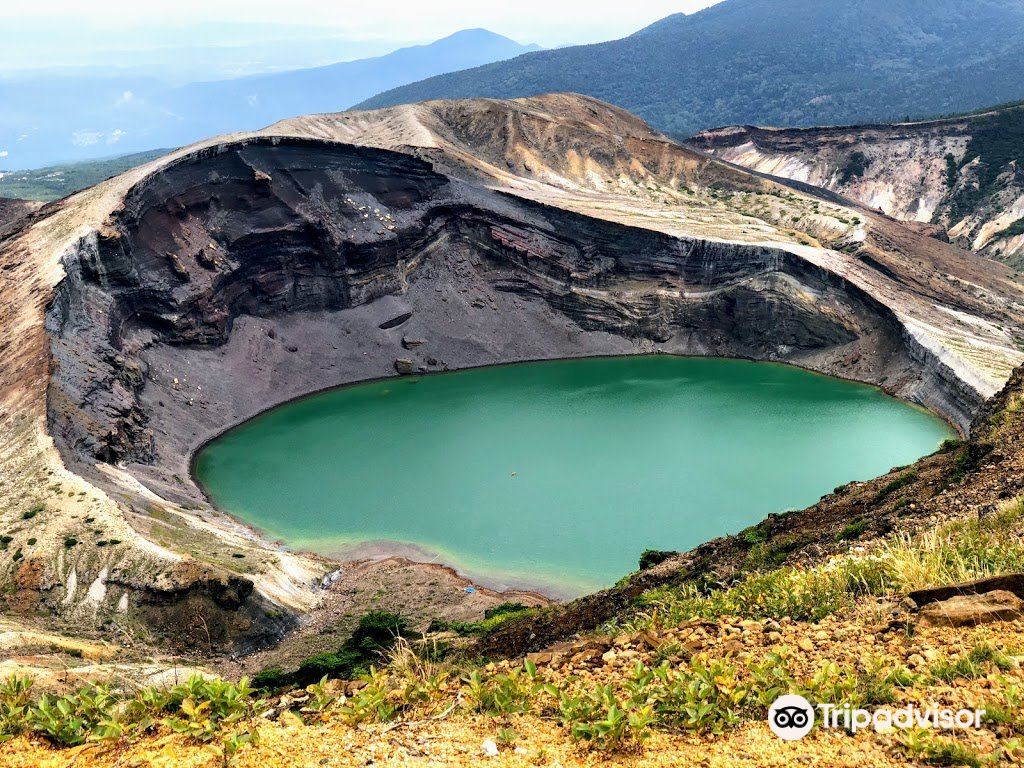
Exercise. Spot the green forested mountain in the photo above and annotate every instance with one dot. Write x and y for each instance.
(56, 181)
(781, 62)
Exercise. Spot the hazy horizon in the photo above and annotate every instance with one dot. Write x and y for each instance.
(230, 38)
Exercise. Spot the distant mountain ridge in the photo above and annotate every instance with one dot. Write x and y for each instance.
(48, 120)
(776, 62)
(258, 100)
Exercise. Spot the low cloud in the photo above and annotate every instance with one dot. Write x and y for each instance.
(4, 153)
(86, 138)
(115, 136)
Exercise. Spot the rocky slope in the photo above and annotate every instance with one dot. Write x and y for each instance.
(962, 175)
(144, 316)
(13, 211)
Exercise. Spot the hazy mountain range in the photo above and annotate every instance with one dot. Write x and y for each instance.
(51, 118)
(777, 62)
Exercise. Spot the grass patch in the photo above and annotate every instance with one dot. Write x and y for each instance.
(898, 483)
(938, 750)
(853, 530)
(955, 552)
(974, 664)
(493, 618)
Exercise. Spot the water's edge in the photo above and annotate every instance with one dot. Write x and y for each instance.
(378, 549)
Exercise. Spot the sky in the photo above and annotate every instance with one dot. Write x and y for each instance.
(549, 23)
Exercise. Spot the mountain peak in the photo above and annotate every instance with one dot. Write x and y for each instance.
(775, 62)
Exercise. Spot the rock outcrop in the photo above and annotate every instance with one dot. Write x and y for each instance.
(971, 610)
(961, 177)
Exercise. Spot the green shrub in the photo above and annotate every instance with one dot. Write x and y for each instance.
(375, 635)
(856, 164)
(968, 460)
(1015, 229)
(938, 750)
(371, 703)
(203, 708)
(73, 719)
(803, 595)
(504, 609)
(853, 530)
(897, 483)
(272, 679)
(600, 718)
(15, 695)
(504, 694)
(952, 171)
(652, 557)
(972, 665)
(493, 618)
(28, 514)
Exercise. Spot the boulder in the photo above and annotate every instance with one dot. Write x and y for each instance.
(1012, 582)
(404, 366)
(409, 343)
(969, 610)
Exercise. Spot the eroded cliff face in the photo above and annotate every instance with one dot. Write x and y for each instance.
(962, 176)
(236, 279)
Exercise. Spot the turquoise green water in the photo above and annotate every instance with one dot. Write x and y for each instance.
(558, 474)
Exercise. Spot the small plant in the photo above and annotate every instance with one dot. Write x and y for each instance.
(652, 557)
(599, 718)
(371, 703)
(973, 665)
(28, 514)
(321, 697)
(205, 707)
(853, 530)
(15, 697)
(706, 697)
(231, 745)
(505, 694)
(73, 719)
(1006, 712)
(507, 738)
(771, 678)
(938, 750)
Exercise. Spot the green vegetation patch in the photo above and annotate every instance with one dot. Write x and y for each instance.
(493, 618)
(998, 140)
(856, 164)
(1015, 229)
(57, 181)
(377, 633)
(897, 483)
(956, 552)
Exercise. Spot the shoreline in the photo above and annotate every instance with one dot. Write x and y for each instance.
(359, 551)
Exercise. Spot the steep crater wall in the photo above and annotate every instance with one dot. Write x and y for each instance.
(251, 273)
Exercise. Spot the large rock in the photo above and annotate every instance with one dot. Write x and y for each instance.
(1011, 582)
(969, 610)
